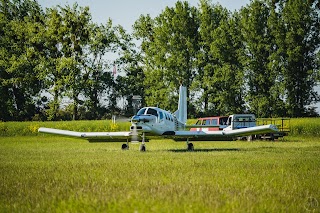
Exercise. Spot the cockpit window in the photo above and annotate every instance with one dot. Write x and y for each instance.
(152, 112)
(161, 115)
(141, 111)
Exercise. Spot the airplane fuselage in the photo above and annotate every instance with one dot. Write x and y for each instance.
(155, 121)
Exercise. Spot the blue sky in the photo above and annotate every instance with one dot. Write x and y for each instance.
(126, 12)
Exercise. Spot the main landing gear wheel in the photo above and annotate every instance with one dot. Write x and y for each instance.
(124, 146)
(190, 147)
(142, 148)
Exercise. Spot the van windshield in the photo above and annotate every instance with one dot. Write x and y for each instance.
(223, 121)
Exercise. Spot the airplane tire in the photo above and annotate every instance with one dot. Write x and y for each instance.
(142, 148)
(124, 146)
(190, 147)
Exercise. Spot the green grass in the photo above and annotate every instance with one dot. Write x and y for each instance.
(56, 174)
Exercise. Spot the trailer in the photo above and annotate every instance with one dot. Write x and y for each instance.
(240, 121)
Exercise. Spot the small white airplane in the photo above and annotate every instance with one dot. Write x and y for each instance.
(152, 122)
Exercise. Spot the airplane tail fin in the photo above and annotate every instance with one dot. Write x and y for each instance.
(181, 113)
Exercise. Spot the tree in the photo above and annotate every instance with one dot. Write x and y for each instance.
(169, 53)
(20, 22)
(67, 36)
(210, 17)
(299, 49)
(75, 28)
(97, 77)
(227, 50)
(129, 61)
(53, 74)
(261, 76)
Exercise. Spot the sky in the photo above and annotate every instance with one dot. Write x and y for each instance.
(126, 12)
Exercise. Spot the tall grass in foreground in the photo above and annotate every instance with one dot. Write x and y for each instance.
(54, 174)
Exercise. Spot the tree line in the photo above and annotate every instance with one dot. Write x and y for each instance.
(263, 59)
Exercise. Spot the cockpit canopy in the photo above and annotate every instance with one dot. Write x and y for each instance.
(160, 114)
(148, 111)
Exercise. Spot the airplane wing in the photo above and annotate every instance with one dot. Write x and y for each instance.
(253, 130)
(90, 136)
(222, 135)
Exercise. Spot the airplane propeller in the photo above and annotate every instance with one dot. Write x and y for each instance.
(134, 132)
(134, 136)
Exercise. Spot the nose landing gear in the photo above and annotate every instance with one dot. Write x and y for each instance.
(143, 145)
(142, 148)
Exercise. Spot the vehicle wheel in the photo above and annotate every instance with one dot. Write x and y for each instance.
(142, 148)
(190, 147)
(124, 146)
(272, 137)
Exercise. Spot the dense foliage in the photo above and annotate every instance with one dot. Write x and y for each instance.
(262, 59)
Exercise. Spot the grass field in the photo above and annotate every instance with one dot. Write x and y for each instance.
(56, 174)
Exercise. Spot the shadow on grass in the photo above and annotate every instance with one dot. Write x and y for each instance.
(208, 150)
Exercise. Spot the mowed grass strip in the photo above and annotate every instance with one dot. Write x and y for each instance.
(46, 174)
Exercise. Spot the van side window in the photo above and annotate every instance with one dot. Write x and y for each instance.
(207, 122)
(214, 122)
